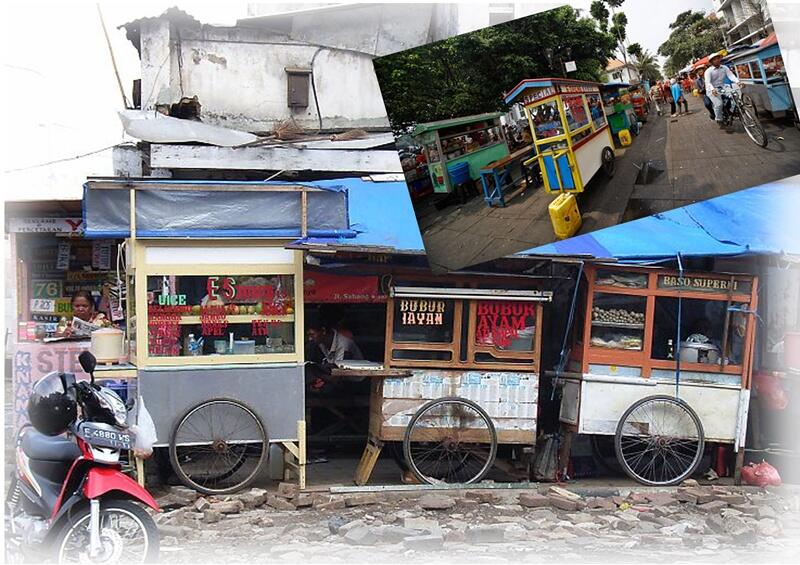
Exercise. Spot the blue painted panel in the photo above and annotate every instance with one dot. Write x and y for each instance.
(550, 171)
(566, 172)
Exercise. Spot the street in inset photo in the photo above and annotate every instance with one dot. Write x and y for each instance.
(565, 122)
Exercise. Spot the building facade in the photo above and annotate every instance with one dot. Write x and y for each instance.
(747, 21)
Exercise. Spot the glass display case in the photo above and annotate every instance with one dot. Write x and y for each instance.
(468, 333)
(237, 304)
(646, 319)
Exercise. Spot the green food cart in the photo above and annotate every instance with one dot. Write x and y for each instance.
(476, 140)
(619, 107)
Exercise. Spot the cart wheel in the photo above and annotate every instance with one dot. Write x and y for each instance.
(218, 446)
(634, 127)
(609, 163)
(450, 440)
(659, 440)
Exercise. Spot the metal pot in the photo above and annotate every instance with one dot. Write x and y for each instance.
(698, 349)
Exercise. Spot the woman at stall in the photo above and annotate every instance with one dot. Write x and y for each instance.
(83, 310)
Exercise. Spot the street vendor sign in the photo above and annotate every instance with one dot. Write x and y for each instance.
(704, 284)
(46, 225)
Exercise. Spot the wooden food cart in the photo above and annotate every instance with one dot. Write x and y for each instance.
(662, 344)
(215, 324)
(570, 131)
(475, 140)
(471, 377)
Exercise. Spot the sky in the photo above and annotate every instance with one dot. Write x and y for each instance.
(61, 97)
(648, 20)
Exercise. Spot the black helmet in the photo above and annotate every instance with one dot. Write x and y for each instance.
(52, 406)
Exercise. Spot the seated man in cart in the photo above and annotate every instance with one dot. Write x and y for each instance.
(327, 346)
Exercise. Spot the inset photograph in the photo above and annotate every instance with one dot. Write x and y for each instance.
(568, 121)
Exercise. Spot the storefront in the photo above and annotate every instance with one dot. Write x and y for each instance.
(51, 262)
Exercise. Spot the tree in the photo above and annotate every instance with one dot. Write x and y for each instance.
(599, 12)
(647, 66)
(694, 35)
(468, 74)
(635, 50)
(619, 21)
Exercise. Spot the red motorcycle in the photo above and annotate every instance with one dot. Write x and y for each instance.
(69, 500)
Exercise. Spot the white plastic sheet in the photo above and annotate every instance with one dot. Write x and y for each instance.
(158, 128)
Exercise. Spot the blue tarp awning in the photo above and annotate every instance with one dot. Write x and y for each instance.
(378, 215)
(762, 220)
(381, 214)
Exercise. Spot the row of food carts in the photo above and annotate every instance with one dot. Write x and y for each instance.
(574, 126)
(215, 347)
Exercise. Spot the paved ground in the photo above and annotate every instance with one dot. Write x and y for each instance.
(538, 525)
(697, 159)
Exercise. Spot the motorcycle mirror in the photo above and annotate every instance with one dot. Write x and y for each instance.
(88, 363)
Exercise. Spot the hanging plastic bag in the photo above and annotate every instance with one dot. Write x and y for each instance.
(545, 463)
(761, 475)
(144, 432)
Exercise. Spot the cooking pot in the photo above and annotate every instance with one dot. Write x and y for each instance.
(698, 349)
(107, 345)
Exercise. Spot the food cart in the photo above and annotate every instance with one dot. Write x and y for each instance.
(639, 102)
(763, 77)
(215, 327)
(619, 108)
(662, 362)
(570, 131)
(463, 378)
(475, 140)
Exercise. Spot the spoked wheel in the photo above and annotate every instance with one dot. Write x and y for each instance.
(218, 446)
(659, 441)
(450, 440)
(634, 128)
(609, 162)
(752, 125)
(127, 535)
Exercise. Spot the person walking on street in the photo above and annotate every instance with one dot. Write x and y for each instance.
(666, 94)
(655, 95)
(700, 85)
(715, 78)
(678, 97)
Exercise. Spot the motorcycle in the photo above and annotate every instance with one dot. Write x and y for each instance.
(738, 106)
(69, 500)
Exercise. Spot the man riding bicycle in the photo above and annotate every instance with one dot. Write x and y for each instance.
(715, 79)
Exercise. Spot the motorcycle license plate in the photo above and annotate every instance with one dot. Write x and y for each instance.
(106, 436)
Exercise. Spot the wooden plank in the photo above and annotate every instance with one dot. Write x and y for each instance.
(374, 374)
(273, 159)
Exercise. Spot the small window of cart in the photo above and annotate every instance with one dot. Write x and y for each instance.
(226, 317)
(755, 71)
(424, 329)
(743, 71)
(575, 112)
(546, 120)
(595, 104)
(773, 67)
(618, 322)
(712, 333)
(504, 332)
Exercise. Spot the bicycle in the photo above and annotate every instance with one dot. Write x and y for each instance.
(738, 106)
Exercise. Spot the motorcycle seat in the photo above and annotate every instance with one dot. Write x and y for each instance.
(49, 448)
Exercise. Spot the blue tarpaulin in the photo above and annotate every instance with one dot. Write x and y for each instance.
(760, 220)
(378, 215)
(381, 214)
